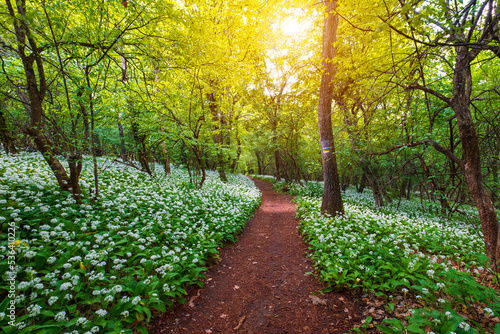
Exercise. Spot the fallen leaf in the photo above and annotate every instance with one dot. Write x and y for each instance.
(191, 304)
(316, 300)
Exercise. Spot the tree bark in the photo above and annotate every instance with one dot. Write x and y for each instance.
(167, 159)
(460, 103)
(372, 179)
(142, 152)
(362, 184)
(123, 153)
(218, 136)
(5, 137)
(277, 156)
(332, 197)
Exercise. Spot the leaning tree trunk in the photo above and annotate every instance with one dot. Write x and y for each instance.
(36, 86)
(332, 197)
(460, 102)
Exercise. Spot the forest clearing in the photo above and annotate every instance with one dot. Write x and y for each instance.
(249, 166)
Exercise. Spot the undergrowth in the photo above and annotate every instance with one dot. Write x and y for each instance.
(107, 266)
(429, 271)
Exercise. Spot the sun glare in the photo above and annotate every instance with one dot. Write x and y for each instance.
(291, 27)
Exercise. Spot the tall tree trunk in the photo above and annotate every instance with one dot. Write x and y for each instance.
(92, 135)
(460, 103)
(277, 156)
(201, 165)
(494, 172)
(218, 136)
(332, 197)
(238, 151)
(277, 164)
(5, 137)
(75, 168)
(83, 111)
(260, 163)
(123, 153)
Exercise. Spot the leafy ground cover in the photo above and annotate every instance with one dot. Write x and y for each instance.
(105, 266)
(428, 272)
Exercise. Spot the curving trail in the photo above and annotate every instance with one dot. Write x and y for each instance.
(261, 285)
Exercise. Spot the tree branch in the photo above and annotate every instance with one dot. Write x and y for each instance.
(430, 91)
(436, 146)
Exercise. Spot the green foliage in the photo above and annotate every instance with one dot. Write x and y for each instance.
(435, 262)
(111, 263)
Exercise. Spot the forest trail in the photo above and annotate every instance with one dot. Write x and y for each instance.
(261, 286)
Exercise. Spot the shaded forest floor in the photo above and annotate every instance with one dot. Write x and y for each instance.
(262, 285)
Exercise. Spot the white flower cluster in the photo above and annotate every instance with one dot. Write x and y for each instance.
(159, 225)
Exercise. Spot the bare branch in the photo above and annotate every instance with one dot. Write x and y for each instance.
(436, 146)
(430, 91)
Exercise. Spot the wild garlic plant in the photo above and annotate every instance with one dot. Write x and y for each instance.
(105, 266)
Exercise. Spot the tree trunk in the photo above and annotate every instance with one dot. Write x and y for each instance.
(167, 159)
(218, 136)
(142, 154)
(277, 164)
(494, 172)
(277, 157)
(332, 197)
(460, 102)
(201, 165)
(372, 179)
(362, 184)
(5, 137)
(402, 189)
(123, 153)
(238, 152)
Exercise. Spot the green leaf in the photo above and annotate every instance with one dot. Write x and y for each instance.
(141, 329)
(415, 329)
(388, 330)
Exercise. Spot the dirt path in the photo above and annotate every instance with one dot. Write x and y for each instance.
(261, 285)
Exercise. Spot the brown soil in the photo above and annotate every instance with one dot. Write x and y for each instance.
(262, 284)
